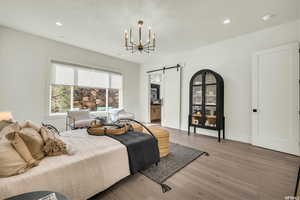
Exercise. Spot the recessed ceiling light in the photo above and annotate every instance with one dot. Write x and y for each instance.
(267, 17)
(227, 21)
(58, 24)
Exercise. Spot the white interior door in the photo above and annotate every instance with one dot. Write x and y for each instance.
(171, 98)
(275, 85)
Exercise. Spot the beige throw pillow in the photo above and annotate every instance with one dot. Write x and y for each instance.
(4, 123)
(30, 124)
(33, 141)
(11, 163)
(14, 127)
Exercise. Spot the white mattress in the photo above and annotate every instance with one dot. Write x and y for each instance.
(98, 163)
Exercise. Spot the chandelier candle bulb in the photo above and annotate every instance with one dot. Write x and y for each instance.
(130, 34)
(140, 34)
(126, 38)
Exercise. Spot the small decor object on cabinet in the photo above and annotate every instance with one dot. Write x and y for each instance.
(207, 102)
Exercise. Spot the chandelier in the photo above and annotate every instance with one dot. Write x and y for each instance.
(133, 46)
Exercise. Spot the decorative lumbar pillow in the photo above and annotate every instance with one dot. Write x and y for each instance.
(11, 163)
(33, 141)
(45, 134)
(22, 149)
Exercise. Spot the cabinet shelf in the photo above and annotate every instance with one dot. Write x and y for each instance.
(207, 84)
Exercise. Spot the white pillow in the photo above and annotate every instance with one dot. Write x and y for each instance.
(114, 114)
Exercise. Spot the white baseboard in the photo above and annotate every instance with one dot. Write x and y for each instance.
(212, 133)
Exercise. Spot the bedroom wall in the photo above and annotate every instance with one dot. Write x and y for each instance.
(299, 30)
(24, 74)
(232, 59)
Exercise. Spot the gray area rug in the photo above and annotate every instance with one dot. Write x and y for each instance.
(179, 157)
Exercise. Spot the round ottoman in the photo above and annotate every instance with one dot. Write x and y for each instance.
(162, 136)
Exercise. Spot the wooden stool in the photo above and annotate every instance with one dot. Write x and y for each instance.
(162, 136)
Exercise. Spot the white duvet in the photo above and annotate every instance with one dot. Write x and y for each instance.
(98, 163)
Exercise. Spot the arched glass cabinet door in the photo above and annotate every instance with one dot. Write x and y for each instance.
(210, 90)
(197, 98)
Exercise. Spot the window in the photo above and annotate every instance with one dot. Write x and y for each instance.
(83, 88)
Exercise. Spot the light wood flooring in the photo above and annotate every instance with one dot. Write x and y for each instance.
(233, 171)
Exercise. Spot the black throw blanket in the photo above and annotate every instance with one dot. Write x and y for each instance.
(142, 149)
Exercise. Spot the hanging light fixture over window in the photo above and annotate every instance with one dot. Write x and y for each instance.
(140, 46)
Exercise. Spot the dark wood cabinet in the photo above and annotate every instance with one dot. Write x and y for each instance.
(207, 102)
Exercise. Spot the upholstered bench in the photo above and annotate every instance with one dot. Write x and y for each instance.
(162, 136)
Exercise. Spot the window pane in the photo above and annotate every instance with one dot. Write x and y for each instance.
(210, 116)
(60, 98)
(197, 95)
(210, 78)
(197, 115)
(211, 95)
(93, 78)
(198, 80)
(113, 98)
(89, 98)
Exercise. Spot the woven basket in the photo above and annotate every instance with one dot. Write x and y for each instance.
(136, 127)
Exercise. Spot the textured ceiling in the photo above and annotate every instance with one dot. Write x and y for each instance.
(180, 25)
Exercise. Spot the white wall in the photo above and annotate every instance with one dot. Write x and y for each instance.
(299, 29)
(232, 59)
(24, 73)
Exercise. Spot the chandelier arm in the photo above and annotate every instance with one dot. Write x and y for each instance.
(133, 43)
(147, 43)
(146, 50)
(149, 47)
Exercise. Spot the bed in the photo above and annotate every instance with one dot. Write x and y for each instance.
(98, 163)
